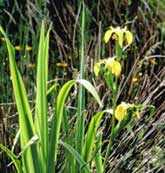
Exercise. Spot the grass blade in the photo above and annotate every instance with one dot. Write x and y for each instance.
(98, 157)
(52, 88)
(41, 118)
(77, 156)
(91, 134)
(56, 124)
(25, 116)
(91, 89)
(13, 158)
(81, 98)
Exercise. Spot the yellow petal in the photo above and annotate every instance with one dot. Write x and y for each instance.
(153, 61)
(114, 36)
(138, 115)
(17, 48)
(108, 35)
(97, 69)
(30, 65)
(28, 48)
(121, 111)
(3, 39)
(116, 69)
(134, 79)
(129, 37)
(59, 64)
(114, 66)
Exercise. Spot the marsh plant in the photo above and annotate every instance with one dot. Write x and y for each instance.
(39, 145)
(110, 70)
(39, 141)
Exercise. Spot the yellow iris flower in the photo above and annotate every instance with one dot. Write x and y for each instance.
(111, 64)
(121, 111)
(119, 34)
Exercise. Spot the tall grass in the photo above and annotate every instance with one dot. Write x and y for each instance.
(39, 147)
(81, 99)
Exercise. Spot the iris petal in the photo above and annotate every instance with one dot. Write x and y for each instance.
(121, 111)
(96, 69)
(129, 37)
(107, 35)
(114, 66)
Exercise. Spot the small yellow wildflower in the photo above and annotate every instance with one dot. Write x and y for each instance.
(121, 111)
(28, 48)
(153, 61)
(111, 64)
(17, 48)
(61, 65)
(3, 39)
(134, 79)
(31, 65)
(118, 34)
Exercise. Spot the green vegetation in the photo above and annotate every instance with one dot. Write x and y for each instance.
(82, 87)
